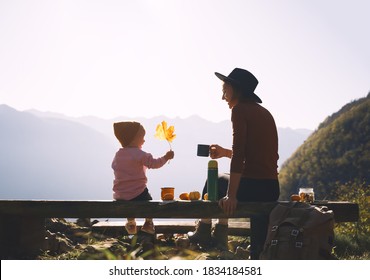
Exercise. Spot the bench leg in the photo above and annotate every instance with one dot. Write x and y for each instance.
(259, 225)
(21, 237)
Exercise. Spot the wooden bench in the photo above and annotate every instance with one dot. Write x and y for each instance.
(22, 222)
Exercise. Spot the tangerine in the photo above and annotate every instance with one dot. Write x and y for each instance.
(184, 196)
(194, 195)
(295, 197)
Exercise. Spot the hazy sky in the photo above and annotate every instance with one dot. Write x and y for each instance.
(148, 58)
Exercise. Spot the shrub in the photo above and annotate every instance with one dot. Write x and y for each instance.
(353, 239)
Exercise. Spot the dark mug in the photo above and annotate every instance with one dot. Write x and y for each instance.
(203, 150)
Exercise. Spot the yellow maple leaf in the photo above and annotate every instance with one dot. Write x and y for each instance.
(164, 133)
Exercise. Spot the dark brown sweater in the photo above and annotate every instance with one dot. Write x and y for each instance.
(255, 142)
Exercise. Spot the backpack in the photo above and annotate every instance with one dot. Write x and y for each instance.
(299, 231)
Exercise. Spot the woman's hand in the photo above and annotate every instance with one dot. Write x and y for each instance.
(228, 204)
(216, 151)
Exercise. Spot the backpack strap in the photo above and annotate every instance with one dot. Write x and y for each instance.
(273, 230)
(294, 234)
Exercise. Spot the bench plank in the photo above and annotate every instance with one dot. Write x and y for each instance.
(343, 211)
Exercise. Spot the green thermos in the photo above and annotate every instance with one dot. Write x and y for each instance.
(212, 180)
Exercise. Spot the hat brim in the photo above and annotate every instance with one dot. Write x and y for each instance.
(232, 81)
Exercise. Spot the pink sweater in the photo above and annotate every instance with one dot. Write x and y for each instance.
(129, 166)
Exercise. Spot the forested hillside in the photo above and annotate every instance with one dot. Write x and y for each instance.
(337, 153)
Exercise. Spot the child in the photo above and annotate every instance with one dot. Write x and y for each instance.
(129, 165)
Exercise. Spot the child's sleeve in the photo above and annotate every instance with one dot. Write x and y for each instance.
(153, 163)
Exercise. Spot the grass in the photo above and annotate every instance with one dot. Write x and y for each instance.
(68, 241)
(349, 248)
(352, 240)
(83, 244)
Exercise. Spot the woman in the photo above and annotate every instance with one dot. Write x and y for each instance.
(254, 155)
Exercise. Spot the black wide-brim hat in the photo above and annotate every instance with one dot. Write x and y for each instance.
(244, 80)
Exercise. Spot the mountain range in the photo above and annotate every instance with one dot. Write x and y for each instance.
(46, 155)
(336, 154)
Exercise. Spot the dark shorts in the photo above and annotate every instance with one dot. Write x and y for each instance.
(249, 189)
(144, 196)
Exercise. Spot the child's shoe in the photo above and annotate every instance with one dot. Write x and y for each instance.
(131, 227)
(148, 227)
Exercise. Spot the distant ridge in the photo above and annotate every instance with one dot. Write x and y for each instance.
(289, 139)
(52, 156)
(45, 158)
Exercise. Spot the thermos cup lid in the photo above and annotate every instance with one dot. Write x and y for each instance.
(212, 164)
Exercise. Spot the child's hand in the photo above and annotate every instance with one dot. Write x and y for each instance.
(169, 155)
